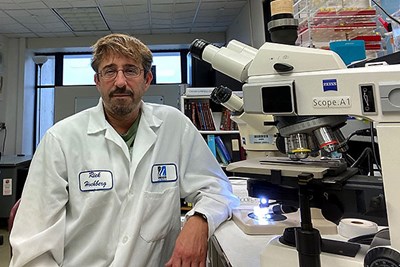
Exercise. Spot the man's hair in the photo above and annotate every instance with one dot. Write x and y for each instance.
(121, 44)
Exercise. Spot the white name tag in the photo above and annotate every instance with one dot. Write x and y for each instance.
(95, 180)
(167, 172)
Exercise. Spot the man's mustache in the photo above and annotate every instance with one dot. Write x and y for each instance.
(121, 90)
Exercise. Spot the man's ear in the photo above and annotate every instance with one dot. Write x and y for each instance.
(96, 78)
(149, 77)
(97, 81)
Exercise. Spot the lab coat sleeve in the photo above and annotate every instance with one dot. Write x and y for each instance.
(203, 182)
(37, 237)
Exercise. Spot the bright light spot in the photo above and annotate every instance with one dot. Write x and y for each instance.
(264, 201)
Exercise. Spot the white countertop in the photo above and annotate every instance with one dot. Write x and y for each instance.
(241, 249)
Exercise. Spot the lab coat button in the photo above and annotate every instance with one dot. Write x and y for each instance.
(125, 239)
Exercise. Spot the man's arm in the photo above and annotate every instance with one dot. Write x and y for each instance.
(204, 184)
(37, 237)
(191, 245)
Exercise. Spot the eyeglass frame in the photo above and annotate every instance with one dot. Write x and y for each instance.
(116, 71)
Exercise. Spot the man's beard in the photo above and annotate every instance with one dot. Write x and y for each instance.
(120, 110)
(121, 107)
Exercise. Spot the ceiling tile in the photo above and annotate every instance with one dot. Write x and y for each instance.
(37, 18)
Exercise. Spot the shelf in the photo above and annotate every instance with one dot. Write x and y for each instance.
(322, 22)
(219, 132)
(206, 115)
(224, 144)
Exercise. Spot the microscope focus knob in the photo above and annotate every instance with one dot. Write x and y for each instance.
(382, 256)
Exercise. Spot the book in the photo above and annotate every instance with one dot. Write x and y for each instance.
(200, 115)
(221, 146)
(227, 124)
(211, 144)
(208, 116)
(221, 155)
(193, 114)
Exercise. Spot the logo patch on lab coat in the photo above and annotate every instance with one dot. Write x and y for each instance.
(167, 172)
(95, 180)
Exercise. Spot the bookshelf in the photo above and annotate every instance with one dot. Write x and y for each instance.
(213, 122)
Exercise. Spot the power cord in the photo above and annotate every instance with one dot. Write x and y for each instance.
(367, 153)
(374, 153)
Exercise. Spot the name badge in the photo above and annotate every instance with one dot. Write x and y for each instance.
(161, 173)
(95, 180)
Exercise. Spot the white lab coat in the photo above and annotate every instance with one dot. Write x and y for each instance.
(88, 202)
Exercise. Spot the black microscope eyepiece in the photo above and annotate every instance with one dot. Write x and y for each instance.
(221, 94)
(197, 48)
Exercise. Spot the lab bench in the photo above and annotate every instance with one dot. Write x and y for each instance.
(230, 246)
(13, 172)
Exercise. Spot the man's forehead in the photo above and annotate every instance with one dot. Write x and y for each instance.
(118, 60)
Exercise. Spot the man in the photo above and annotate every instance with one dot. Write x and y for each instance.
(104, 186)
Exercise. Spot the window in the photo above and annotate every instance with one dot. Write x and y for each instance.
(167, 67)
(77, 70)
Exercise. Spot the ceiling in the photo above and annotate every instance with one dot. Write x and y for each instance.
(68, 18)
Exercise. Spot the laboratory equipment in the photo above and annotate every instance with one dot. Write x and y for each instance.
(310, 94)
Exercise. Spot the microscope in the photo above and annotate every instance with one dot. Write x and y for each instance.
(303, 97)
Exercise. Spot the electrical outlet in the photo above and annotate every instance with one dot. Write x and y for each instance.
(2, 125)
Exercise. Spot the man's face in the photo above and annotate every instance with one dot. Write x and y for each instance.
(121, 95)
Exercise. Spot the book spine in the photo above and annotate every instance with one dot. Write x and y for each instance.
(220, 144)
(209, 116)
(200, 114)
(193, 114)
(221, 155)
(211, 144)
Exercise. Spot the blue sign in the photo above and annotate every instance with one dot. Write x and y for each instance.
(329, 85)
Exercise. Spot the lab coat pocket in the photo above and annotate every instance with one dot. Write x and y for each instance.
(159, 213)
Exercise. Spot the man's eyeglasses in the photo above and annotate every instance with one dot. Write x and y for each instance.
(111, 73)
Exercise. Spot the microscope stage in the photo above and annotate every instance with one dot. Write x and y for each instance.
(287, 167)
(253, 226)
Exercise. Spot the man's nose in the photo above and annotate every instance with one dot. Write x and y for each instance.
(120, 79)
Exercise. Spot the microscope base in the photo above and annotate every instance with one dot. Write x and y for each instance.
(270, 227)
(278, 254)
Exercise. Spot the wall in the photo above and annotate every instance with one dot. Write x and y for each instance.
(248, 27)
(18, 100)
(3, 68)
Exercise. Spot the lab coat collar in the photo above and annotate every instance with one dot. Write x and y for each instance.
(97, 121)
(148, 115)
(146, 133)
